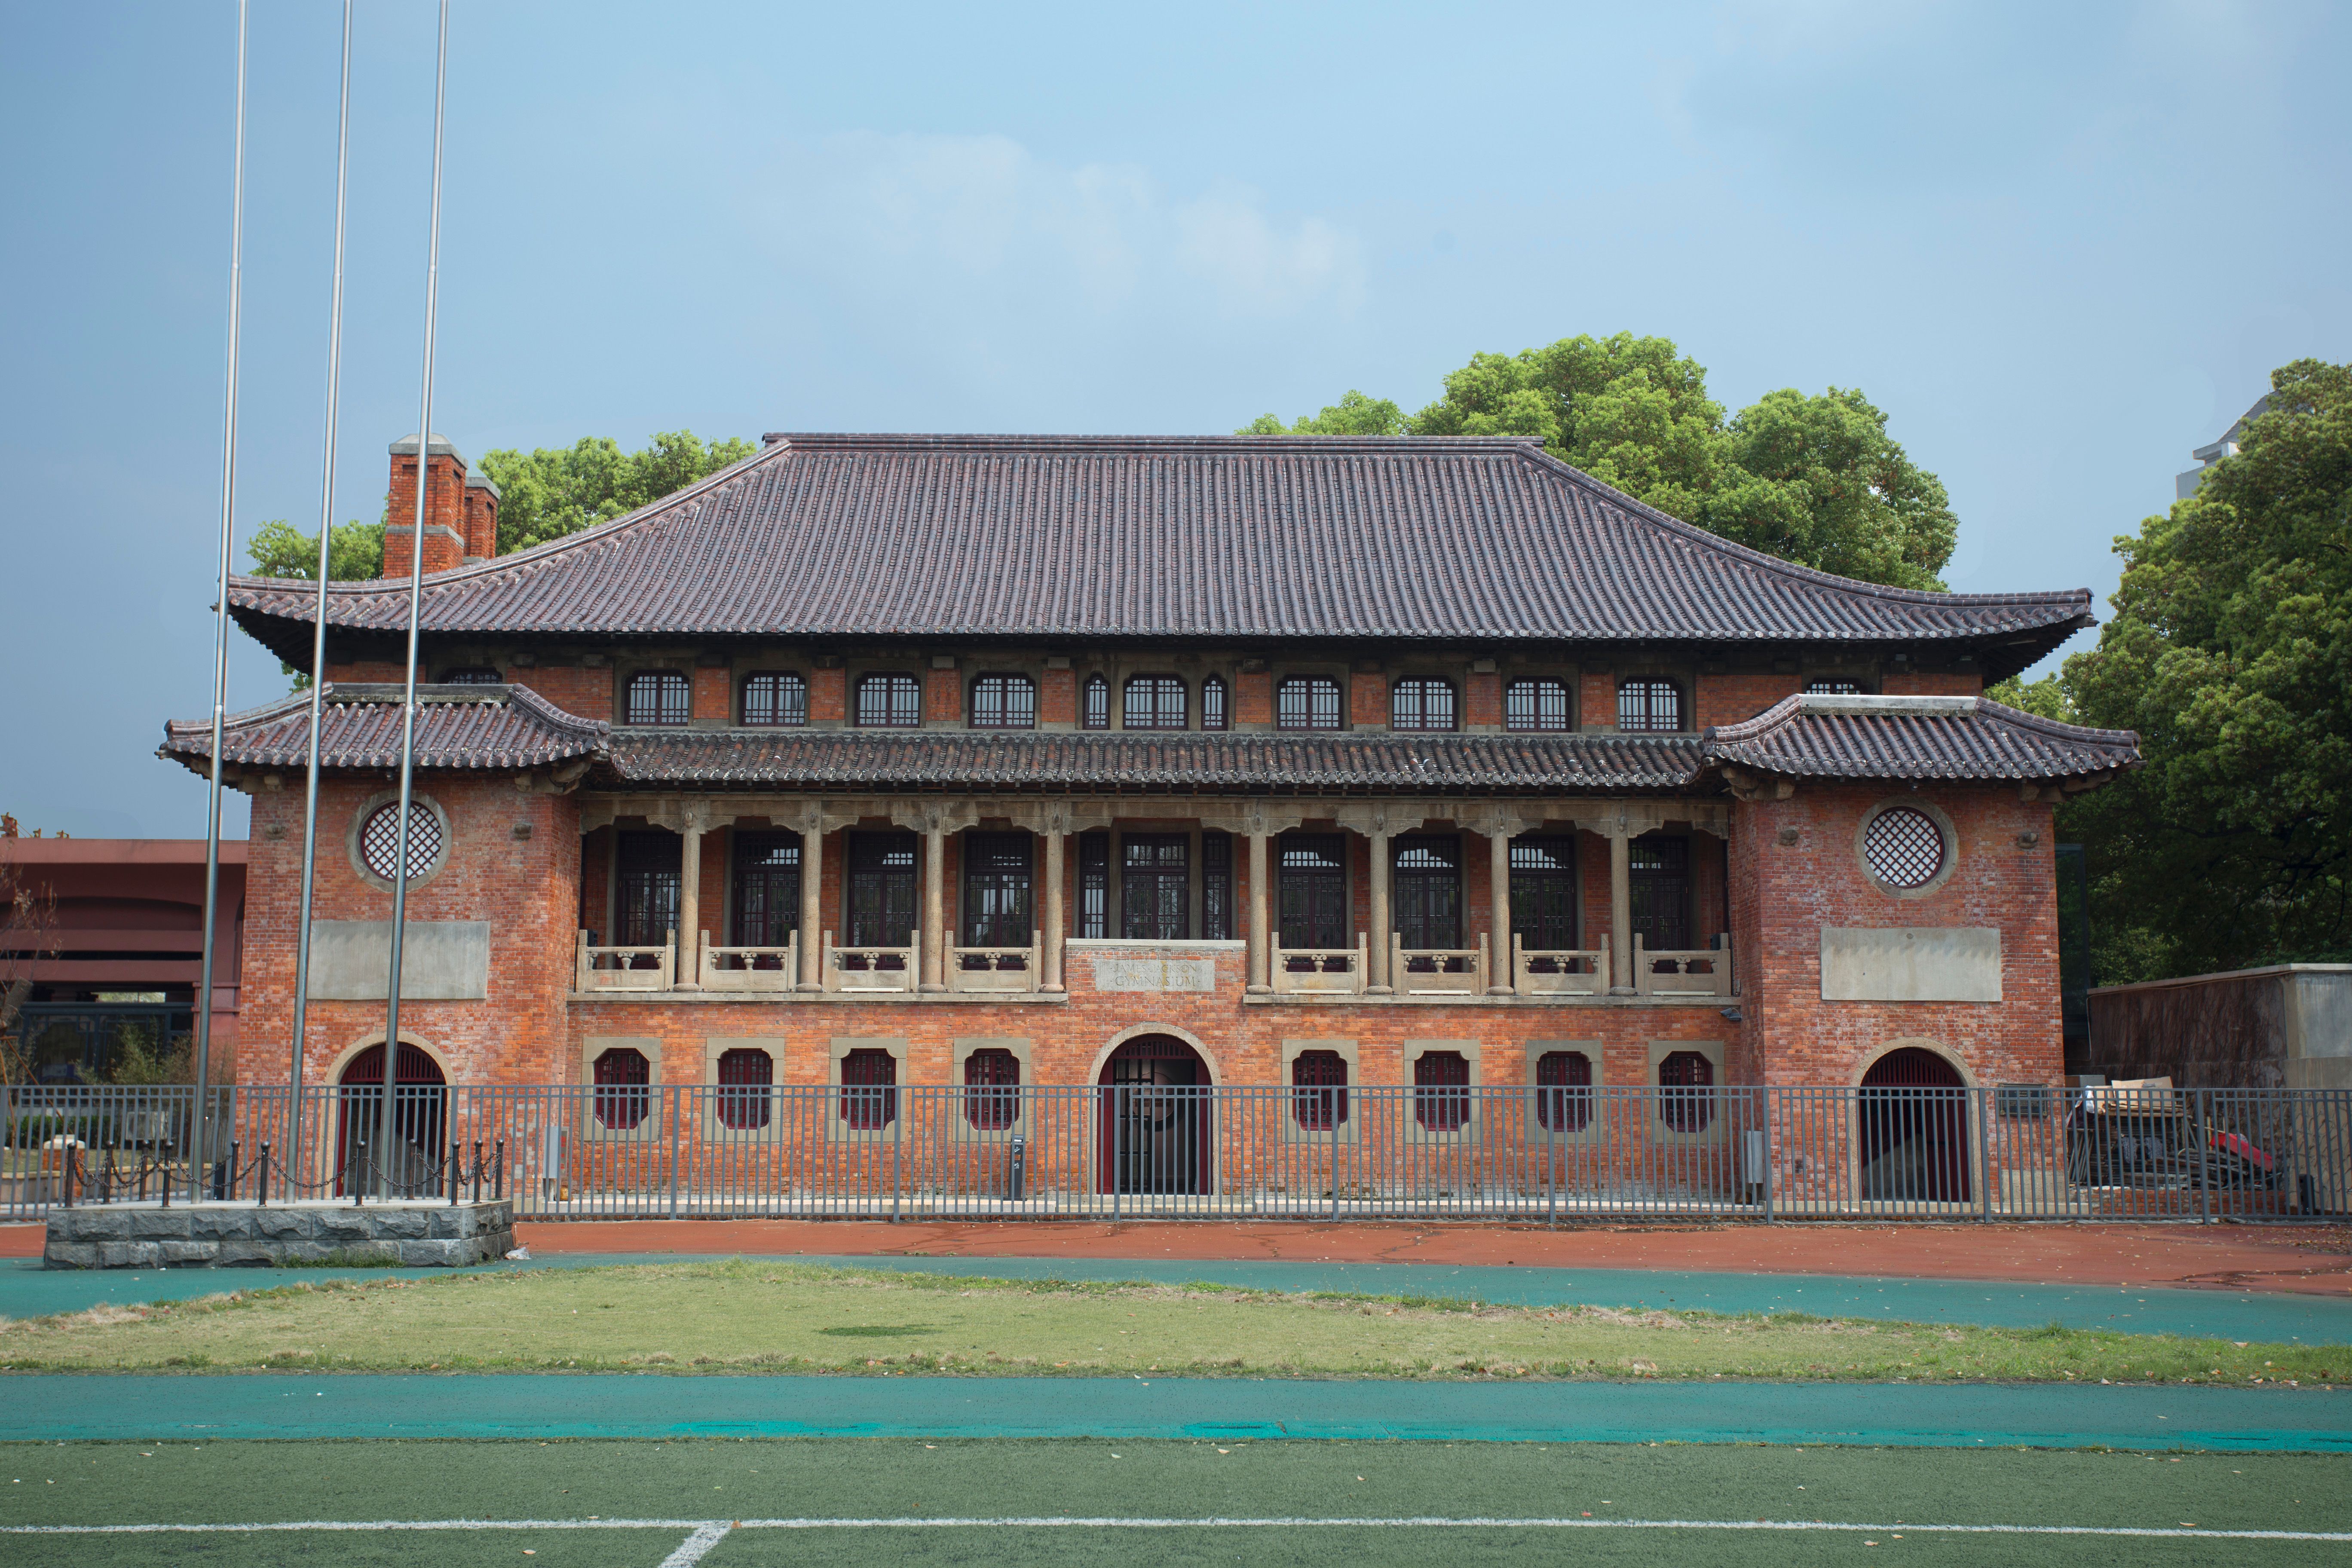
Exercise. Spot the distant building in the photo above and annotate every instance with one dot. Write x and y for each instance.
(2185, 485)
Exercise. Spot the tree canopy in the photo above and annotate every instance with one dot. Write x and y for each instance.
(556, 490)
(2231, 652)
(1815, 479)
(354, 552)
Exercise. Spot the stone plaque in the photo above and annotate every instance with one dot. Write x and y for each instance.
(440, 961)
(1120, 973)
(1911, 963)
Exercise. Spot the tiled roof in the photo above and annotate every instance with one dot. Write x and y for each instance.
(1132, 760)
(1817, 736)
(485, 728)
(1480, 540)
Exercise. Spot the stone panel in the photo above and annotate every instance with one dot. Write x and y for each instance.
(1911, 963)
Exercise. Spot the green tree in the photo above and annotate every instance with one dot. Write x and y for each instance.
(557, 491)
(2231, 652)
(2045, 698)
(354, 552)
(1813, 480)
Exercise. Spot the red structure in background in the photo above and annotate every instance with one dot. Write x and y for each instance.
(126, 947)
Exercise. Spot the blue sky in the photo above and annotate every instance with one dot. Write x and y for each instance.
(2060, 245)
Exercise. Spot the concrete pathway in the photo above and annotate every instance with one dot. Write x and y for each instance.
(292, 1405)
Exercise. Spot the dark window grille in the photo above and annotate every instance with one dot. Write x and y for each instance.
(1306, 702)
(1441, 1090)
(767, 890)
(1904, 848)
(1153, 703)
(1216, 886)
(745, 1077)
(1536, 705)
(623, 1092)
(1311, 889)
(996, 890)
(1659, 885)
(1648, 706)
(1686, 1091)
(380, 840)
(1421, 705)
(1564, 1091)
(1320, 1083)
(1832, 686)
(881, 888)
(1094, 884)
(992, 1092)
(1428, 892)
(1214, 712)
(1544, 891)
(1155, 886)
(657, 697)
(869, 1093)
(472, 675)
(648, 888)
(777, 700)
(1004, 702)
(888, 702)
(2022, 1101)
(1094, 711)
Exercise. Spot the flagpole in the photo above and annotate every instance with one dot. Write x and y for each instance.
(415, 604)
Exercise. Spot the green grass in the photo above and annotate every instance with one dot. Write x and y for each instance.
(905, 1479)
(739, 1316)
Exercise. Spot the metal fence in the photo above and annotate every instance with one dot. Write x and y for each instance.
(1545, 1155)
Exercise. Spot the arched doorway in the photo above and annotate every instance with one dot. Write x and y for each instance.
(1157, 1115)
(1912, 1118)
(419, 1114)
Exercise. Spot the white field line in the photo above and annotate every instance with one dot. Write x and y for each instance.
(708, 1532)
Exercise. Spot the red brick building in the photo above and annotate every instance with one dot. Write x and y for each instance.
(946, 759)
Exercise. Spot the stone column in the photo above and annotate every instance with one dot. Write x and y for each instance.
(1261, 904)
(690, 901)
(934, 916)
(1498, 939)
(1050, 924)
(1621, 913)
(812, 903)
(1381, 981)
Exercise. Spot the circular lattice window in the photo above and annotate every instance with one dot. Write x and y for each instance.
(1904, 848)
(380, 841)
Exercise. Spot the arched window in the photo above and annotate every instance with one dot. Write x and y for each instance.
(657, 696)
(380, 840)
(1320, 1083)
(869, 1095)
(1306, 702)
(1648, 705)
(1154, 702)
(1094, 712)
(471, 675)
(888, 702)
(1215, 715)
(1832, 686)
(1003, 702)
(777, 698)
(623, 1095)
(992, 1089)
(1421, 705)
(745, 1077)
(1441, 1090)
(1686, 1091)
(1535, 705)
(1564, 1091)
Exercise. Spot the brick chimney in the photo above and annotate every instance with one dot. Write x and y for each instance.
(445, 518)
(481, 517)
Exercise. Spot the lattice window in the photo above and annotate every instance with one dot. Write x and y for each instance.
(1154, 702)
(380, 840)
(1645, 705)
(1214, 712)
(746, 1077)
(992, 1092)
(1004, 702)
(1308, 703)
(1904, 848)
(1535, 705)
(869, 1093)
(472, 675)
(624, 1091)
(1421, 705)
(779, 700)
(1320, 1081)
(1832, 686)
(1564, 1091)
(1441, 1090)
(1095, 711)
(657, 696)
(889, 702)
(1686, 1091)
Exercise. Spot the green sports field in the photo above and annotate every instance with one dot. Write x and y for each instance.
(1605, 1503)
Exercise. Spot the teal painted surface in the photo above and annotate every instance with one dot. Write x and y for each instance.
(26, 1290)
(60, 1409)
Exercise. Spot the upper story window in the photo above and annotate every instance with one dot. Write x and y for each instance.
(775, 698)
(1421, 705)
(1536, 705)
(889, 701)
(1306, 702)
(471, 675)
(1832, 686)
(1214, 714)
(1154, 702)
(1004, 702)
(657, 696)
(1094, 709)
(1648, 704)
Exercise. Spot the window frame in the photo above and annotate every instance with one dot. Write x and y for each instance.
(1094, 701)
(667, 682)
(1418, 690)
(891, 719)
(1538, 724)
(1158, 688)
(472, 675)
(782, 681)
(744, 1103)
(1314, 686)
(1216, 703)
(1005, 717)
(1651, 687)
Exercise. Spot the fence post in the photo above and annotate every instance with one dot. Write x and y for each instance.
(1988, 1106)
(677, 1113)
(1330, 1110)
(2197, 1118)
(899, 1105)
(1771, 1157)
(499, 1176)
(225, 1190)
(261, 1197)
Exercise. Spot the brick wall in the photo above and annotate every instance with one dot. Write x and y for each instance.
(445, 518)
(942, 696)
(1253, 696)
(1368, 702)
(1057, 698)
(573, 688)
(1728, 698)
(1482, 699)
(714, 696)
(1926, 683)
(828, 695)
(1596, 701)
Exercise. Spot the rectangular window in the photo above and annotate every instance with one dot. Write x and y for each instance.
(1154, 702)
(1649, 705)
(775, 699)
(1095, 711)
(881, 888)
(1216, 886)
(1428, 896)
(1311, 889)
(888, 702)
(1535, 705)
(1543, 891)
(1094, 884)
(1661, 891)
(1004, 702)
(648, 888)
(1215, 714)
(1308, 703)
(1421, 705)
(1832, 686)
(997, 889)
(767, 889)
(657, 696)
(1155, 876)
